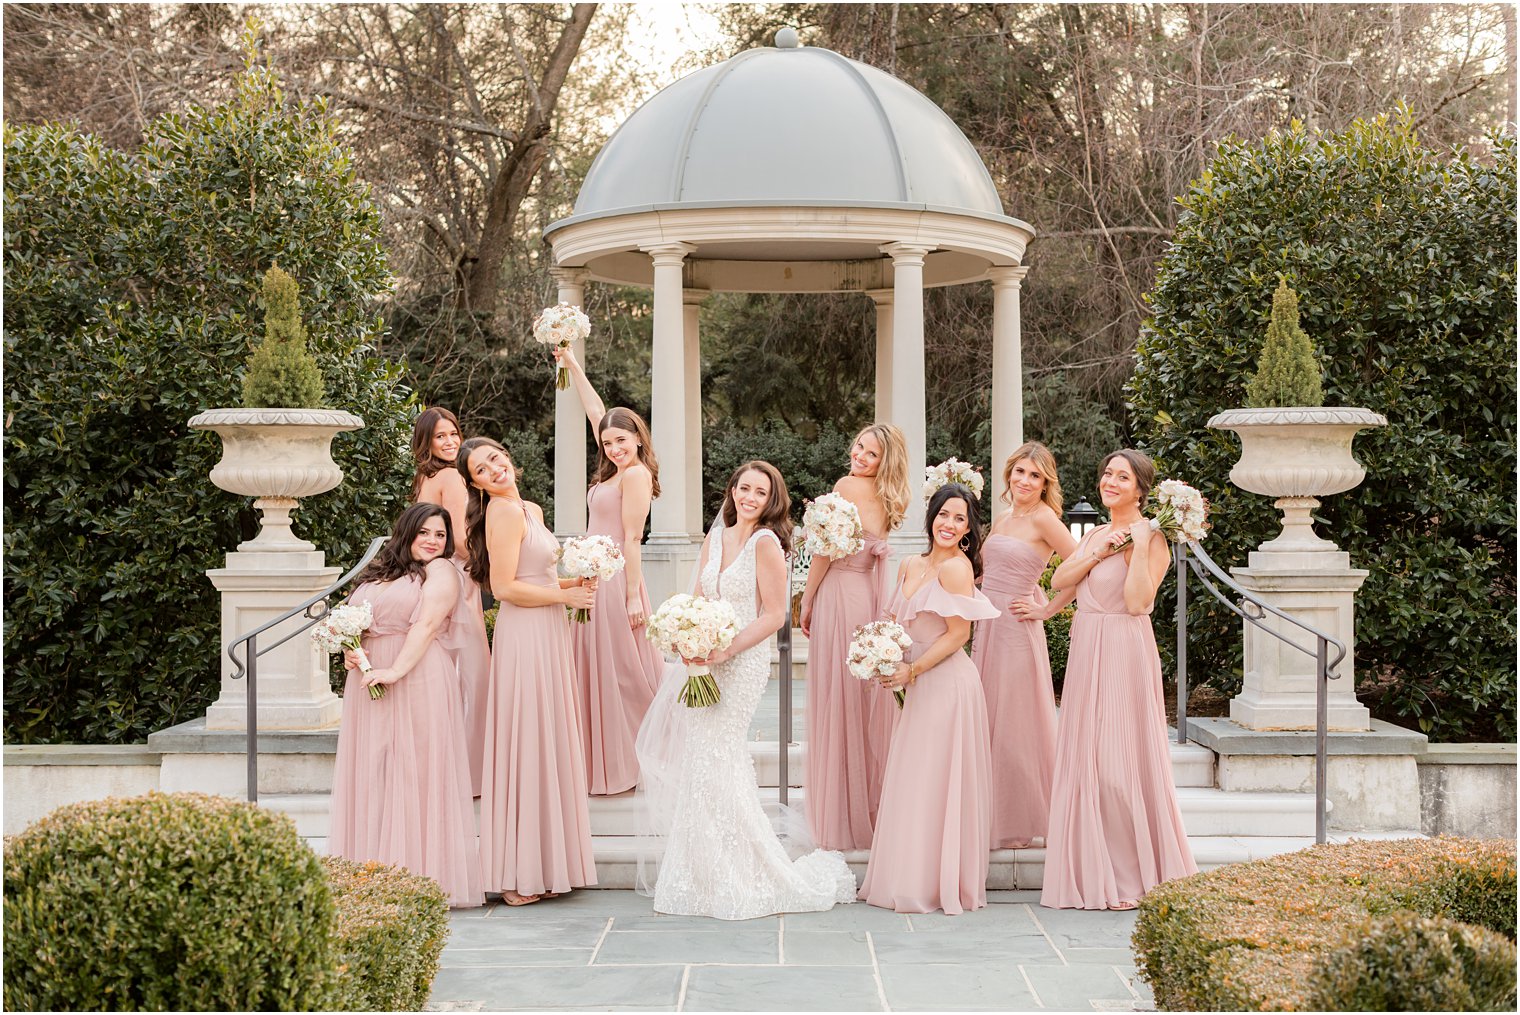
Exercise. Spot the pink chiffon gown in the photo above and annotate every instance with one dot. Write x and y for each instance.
(401, 786)
(930, 848)
(1115, 829)
(850, 721)
(617, 669)
(1011, 655)
(474, 654)
(535, 829)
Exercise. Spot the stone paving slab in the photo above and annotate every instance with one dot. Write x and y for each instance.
(978, 986)
(720, 988)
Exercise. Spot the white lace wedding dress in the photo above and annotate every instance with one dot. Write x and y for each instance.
(721, 855)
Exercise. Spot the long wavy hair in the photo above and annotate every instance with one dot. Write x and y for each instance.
(891, 471)
(1140, 464)
(395, 558)
(1043, 460)
(971, 542)
(626, 419)
(777, 513)
(479, 566)
(429, 464)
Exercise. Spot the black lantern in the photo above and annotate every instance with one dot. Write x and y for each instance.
(1082, 518)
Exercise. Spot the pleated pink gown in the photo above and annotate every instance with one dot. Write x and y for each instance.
(1011, 656)
(617, 668)
(1115, 829)
(930, 847)
(535, 830)
(401, 787)
(850, 721)
(473, 652)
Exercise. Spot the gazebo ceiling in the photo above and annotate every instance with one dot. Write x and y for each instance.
(787, 167)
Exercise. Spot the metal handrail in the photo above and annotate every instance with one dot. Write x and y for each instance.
(784, 732)
(315, 609)
(1191, 556)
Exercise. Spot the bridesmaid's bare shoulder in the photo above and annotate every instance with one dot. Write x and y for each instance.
(958, 576)
(637, 477)
(855, 488)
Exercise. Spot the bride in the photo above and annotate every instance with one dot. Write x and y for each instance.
(719, 855)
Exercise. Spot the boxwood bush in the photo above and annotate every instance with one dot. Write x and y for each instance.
(1413, 923)
(390, 930)
(166, 902)
(1403, 258)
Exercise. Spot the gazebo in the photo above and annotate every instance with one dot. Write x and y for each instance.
(784, 169)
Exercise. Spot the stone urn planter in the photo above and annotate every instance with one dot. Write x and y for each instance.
(277, 456)
(1297, 455)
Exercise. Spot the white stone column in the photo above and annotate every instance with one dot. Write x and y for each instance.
(691, 300)
(883, 300)
(908, 394)
(1007, 370)
(570, 426)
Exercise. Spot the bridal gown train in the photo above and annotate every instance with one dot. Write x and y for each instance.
(721, 855)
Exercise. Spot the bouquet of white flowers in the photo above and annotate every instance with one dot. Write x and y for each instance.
(832, 525)
(877, 649)
(560, 325)
(589, 557)
(694, 627)
(342, 627)
(1178, 512)
(952, 470)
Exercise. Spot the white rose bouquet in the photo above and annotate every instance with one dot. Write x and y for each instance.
(952, 470)
(560, 325)
(832, 526)
(876, 650)
(589, 557)
(1178, 512)
(694, 627)
(343, 627)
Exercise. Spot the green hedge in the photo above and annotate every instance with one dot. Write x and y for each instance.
(1324, 927)
(390, 930)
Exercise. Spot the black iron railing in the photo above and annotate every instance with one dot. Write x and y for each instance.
(784, 732)
(315, 609)
(1190, 556)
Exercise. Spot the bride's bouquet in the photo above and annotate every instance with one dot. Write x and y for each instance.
(694, 627)
(560, 325)
(952, 470)
(833, 529)
(342, 627)
(877, 649)
(1178, 512)
(589, 557)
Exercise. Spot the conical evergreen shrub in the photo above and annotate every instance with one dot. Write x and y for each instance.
(281, 372)
(1287, 373)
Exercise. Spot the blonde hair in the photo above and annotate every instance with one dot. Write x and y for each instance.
(891, 471)
(1043, 460)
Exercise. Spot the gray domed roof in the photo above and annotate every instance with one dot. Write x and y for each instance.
(787, 126)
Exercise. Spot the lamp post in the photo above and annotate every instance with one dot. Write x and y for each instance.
(1081, 518)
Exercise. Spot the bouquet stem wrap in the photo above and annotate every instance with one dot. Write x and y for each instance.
(700, 690)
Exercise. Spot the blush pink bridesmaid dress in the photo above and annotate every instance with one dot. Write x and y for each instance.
(850, 721)
(617, 668)
(1011, 655)
(535, 828)
(401, 786)
(1115, 829)
(473, 653)
(930, 847)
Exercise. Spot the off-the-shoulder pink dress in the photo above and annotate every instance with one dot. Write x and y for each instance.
(930, 847)
(1115, 829)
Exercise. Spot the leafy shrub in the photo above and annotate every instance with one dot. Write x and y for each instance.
(281, 373)
(1252, 936)
(1287, 373)
(131, 282)
(1404, 259)
(165, 902)
(389, 933)
(810, 467)
(1405, 962)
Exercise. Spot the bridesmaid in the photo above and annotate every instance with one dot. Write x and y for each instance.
(401, 788)
(435, 446)
(849, 723)
(617, 669)
(1010, 651)
(535, 831)
(1115, 830)
(930, 847)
